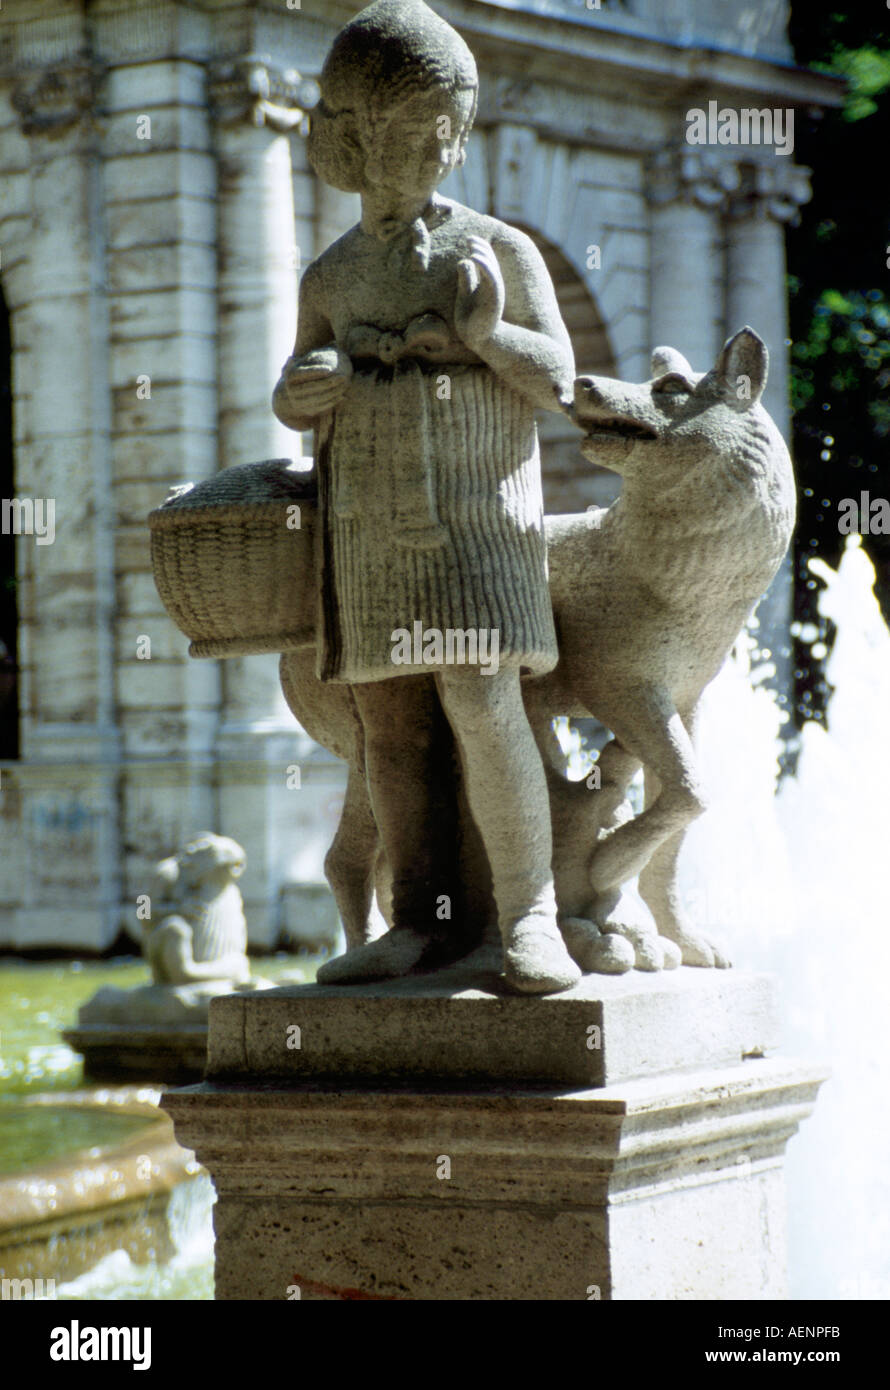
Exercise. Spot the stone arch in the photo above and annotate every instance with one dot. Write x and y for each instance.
(569, 200)
(571, 482)
(9, 705)
(580, 311)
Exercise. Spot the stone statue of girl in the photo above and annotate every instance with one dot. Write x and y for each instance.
(427, 337)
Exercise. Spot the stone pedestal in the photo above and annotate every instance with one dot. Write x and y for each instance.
(156, 1032)
(437, 1139)
(167, 1055)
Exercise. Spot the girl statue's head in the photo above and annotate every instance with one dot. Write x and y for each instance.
(398, 97)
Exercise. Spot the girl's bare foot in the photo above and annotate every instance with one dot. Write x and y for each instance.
(535, 957)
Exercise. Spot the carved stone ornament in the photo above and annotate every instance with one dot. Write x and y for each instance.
(55, 99)
(254, 88)
(702, 176)
(776, 190)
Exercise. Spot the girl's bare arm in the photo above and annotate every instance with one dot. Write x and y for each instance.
(506, 311)
(315, 376)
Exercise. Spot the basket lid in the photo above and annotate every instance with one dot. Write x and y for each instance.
(244, 484)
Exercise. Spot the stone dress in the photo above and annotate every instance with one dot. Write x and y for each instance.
(431, 506)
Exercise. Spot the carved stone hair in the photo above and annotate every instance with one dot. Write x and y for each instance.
(401, 46)
(391, 52)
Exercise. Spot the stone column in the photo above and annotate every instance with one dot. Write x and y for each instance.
(160, 218)
(687, 188)
(767, 197)
(257, 106)
(306, 190)
(435, 1140)
(70, 744)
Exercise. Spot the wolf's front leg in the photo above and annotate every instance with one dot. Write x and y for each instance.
(659, 890)
(652, 729)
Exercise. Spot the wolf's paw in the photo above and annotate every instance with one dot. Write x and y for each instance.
(596, 953)
(622, 913)
(673, 956)
(698, 949)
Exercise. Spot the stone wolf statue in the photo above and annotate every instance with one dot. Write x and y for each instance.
(649, 596)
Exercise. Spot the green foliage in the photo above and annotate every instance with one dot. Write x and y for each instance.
(846, 349)
(867, 71)
(839, 300)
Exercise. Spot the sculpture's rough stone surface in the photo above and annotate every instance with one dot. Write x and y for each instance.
(666, 1188)
(446, 1026)
(651, 595)
(704, 517)
(196, 944)
(427, 336)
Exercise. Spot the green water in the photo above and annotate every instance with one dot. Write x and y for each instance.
(40, 1133)
(37, 1001)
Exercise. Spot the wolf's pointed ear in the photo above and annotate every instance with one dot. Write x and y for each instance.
(668, 359)
(742, 367)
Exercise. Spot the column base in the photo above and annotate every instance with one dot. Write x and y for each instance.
(647, 1190)
(387, 1169)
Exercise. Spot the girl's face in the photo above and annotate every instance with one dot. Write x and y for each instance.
(408, 152)
(403, 153)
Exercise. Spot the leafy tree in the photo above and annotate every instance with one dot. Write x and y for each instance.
(839, 288)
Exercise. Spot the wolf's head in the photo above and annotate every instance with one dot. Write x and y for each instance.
(669, 425)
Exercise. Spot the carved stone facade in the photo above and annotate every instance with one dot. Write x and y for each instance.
(156, 209)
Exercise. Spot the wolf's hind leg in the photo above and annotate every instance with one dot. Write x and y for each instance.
(651, 728)
(659, 888)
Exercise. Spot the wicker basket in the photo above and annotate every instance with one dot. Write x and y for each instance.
(233, 571)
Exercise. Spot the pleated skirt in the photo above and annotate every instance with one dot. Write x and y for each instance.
(432, 514)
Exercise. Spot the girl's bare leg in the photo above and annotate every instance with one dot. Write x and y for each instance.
(507, 791)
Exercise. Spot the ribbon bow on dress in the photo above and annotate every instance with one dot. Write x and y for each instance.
(427, 336)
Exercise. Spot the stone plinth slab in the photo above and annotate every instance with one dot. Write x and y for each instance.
(461, 1025)
(114, 1052)
(664, 1188)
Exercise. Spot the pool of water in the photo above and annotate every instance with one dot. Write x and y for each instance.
(47, 1132)
(186, 1274)
(169, 1254)
(40, 998)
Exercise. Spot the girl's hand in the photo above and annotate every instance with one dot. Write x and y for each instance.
(311, 386)
(479, 306)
